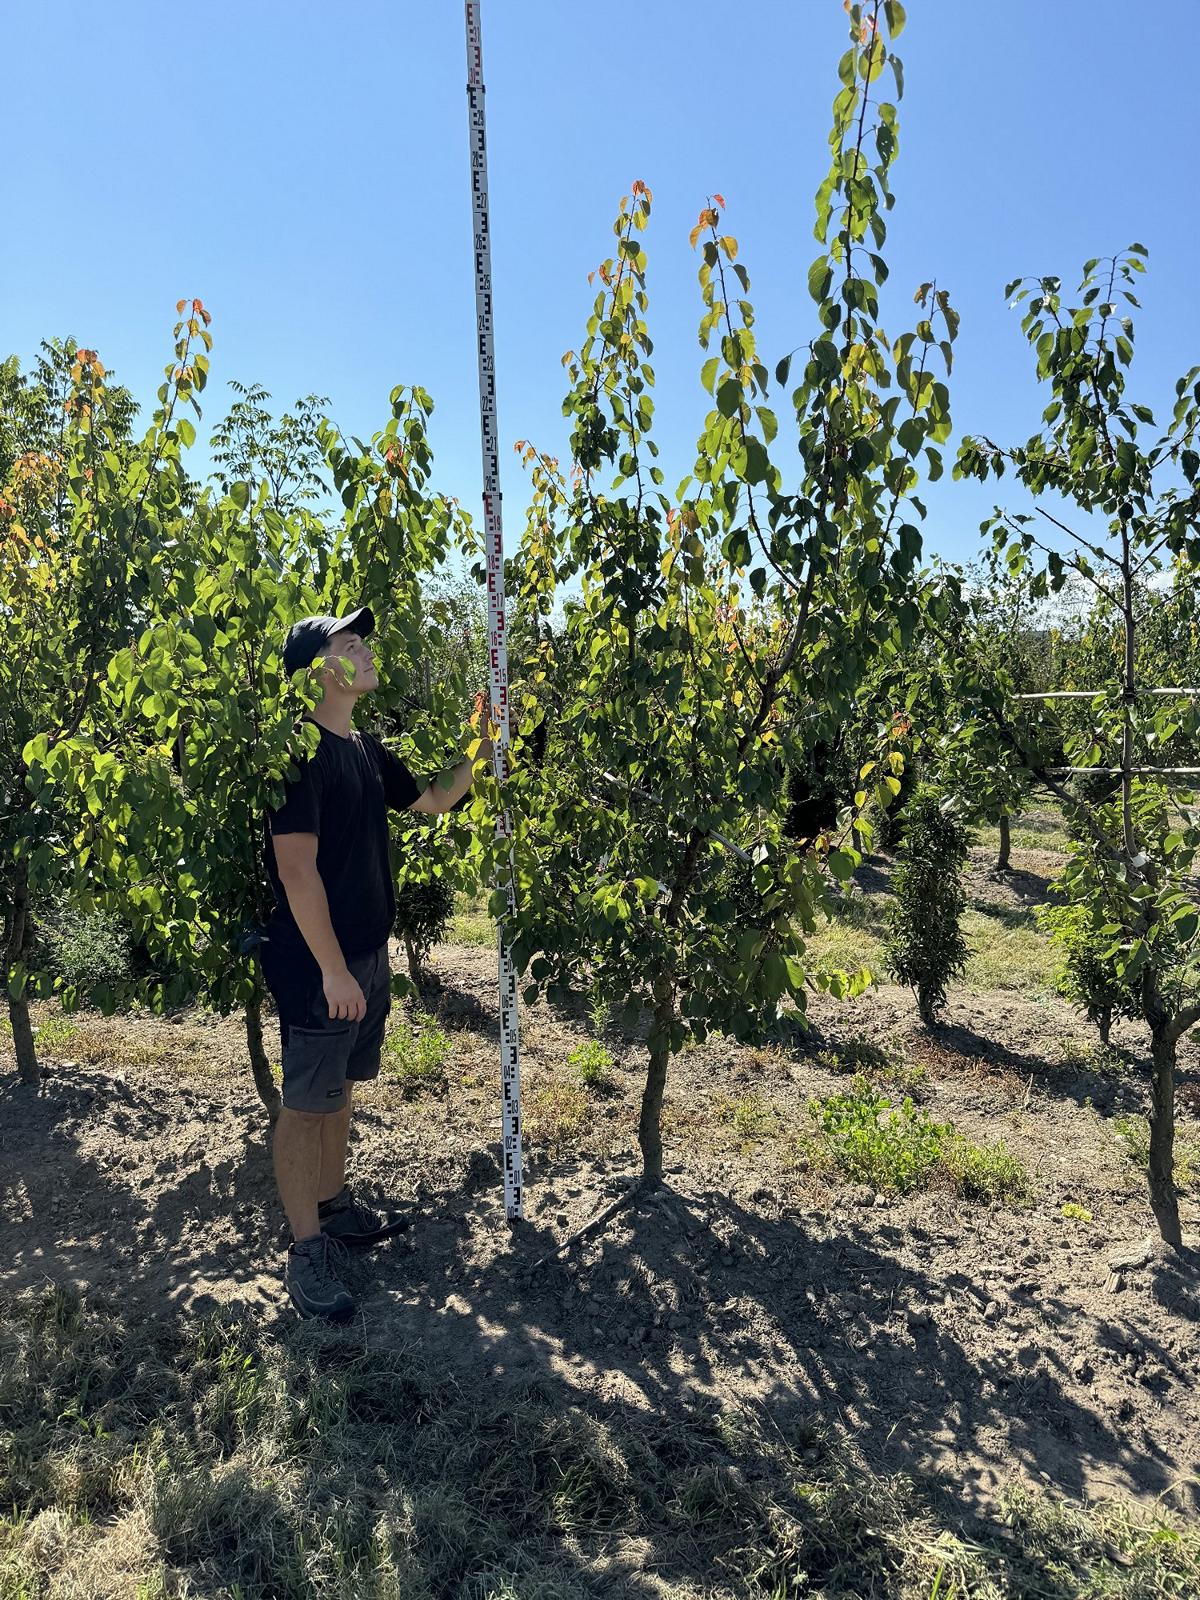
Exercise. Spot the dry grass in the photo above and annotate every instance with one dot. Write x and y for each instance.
(1008, 953)
(153, 1461)
(556, 1115)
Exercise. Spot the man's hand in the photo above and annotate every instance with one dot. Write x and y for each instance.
(345, 997)
(485, 729)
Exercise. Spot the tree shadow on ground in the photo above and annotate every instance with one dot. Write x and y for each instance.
(1090, 1087)
(688, 1303)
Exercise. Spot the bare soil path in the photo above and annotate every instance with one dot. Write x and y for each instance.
(964, 1343)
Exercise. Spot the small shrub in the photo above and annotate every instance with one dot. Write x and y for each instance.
(871, 1141)
(1076, 1213)
(986, 1172)
(423, 913)
(925, 947)
(417, 1052)
(1087, 976)
(599, 1012)
(899, 1148)
(592, 1063)
(83, 946)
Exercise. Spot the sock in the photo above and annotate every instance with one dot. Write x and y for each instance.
(326, 1206)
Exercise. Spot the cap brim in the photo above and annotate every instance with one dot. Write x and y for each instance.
(362, 620)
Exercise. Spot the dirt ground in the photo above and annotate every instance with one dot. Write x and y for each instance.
(964, 1343)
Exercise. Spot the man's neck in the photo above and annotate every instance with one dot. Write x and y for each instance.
(334, 717)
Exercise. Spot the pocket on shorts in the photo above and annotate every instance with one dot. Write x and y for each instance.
(314, 1067)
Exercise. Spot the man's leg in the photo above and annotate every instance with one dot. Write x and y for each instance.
(298, 1146)
(335, 1134)
(343, 1214)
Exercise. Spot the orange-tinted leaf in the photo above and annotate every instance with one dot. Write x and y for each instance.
(179, 305)
(720, 199)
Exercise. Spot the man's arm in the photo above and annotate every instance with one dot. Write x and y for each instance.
(296, 859)
(436, 800)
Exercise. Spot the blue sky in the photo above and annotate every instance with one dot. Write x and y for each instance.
(303, 168)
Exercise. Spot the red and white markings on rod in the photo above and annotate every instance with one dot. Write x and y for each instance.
(510, 1043)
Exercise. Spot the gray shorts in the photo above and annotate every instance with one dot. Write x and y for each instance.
(322, 1054)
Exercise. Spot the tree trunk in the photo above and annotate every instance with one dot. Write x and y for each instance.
(926, 1006)
(1005, 843)
(1163, 1198)
(1104, 1023)
(28, 1070)
(259, 1065)
(414, 966)
(650, 1121)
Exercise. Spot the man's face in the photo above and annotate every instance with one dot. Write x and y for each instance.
(347, 646)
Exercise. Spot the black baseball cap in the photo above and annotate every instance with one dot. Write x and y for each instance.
(307, 638)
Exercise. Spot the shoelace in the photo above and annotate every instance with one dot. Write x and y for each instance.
(363, 1215)
(333, 1254)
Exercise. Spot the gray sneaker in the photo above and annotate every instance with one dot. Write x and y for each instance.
(351, 1222)
(311, 1276)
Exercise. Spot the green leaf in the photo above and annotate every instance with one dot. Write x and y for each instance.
(729, 397)
(708, 372)
(841, 864)
(820, 277)
(767, 422)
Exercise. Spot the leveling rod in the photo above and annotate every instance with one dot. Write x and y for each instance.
(510, 1041)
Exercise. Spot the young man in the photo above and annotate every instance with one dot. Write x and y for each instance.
(325, 952)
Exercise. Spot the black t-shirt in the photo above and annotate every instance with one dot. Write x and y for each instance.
(342, 794)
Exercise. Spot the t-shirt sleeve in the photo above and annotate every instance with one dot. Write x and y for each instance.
(300, 810)
(400, 788)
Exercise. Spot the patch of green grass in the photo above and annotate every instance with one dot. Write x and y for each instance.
(471, 924)
(1032, 830)
(861, 1056)
(141, 1457)
(1007, 955)
(1073, 1212)
(986, 1172)
(415, 1053)
(842, 947)
(1089, 1055)
(868, 1139)
(1134, 1136)
(750, 1117)
(55, 1031)
(592, 1064)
